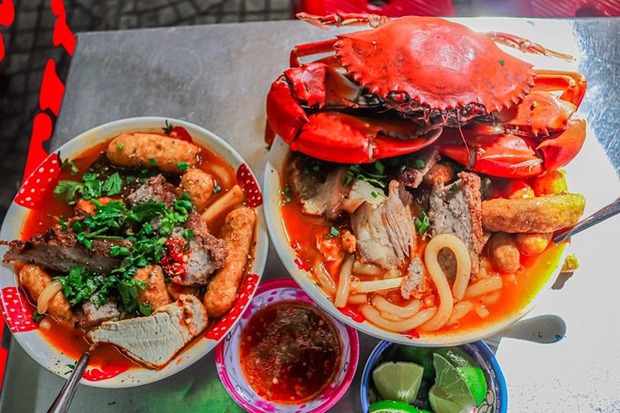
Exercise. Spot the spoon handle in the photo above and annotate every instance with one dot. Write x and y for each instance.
(63, 400)
(599, 216)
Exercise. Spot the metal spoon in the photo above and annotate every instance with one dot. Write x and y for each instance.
(599, 216)
(63, 400)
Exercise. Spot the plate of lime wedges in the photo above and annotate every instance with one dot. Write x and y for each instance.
(406, 379)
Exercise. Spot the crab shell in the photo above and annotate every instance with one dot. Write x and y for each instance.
(436, 63)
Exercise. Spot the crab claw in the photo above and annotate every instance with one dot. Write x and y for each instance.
(337, 137)
(285, 115)
(490, 151)
(561, 149)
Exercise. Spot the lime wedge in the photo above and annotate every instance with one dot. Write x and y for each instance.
(393, 406)
(398, 381)
(441, 404)
(470, 372)
(451, 383)
(420, 355)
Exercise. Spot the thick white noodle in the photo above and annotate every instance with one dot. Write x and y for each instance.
(378, 285)
(366, 268)
(220, 174)
(459, 311)
(484, 286)
(374, 316)
(463, 271)
(407, 311)
(344, 281)
(491, 298)
(223, 203)
(481, 310)
(357, 299)
(47, 294)
(323, 277)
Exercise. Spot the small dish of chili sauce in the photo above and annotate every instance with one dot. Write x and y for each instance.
(286, 354)
(289, 352)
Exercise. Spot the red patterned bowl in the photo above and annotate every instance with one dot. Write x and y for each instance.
(17, 310)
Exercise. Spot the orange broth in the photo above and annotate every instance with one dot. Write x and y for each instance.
(72, 341)
(516, 293)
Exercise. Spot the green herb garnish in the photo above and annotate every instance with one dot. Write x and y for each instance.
(145, 309)
(333, 232)
(183, 166)
(286, 194)
(422, 223)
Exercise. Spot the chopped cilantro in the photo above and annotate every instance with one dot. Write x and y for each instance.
(113, 185)
(68, 166)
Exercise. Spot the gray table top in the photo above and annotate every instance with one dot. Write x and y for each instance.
(217, 77)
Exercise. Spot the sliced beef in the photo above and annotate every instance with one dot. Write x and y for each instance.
(156, 188)
(59, 250)
(154, 340)
(319, 197)
(91, 315)
(207, 253)
(456, 209)
(411, 176)
(385, 232)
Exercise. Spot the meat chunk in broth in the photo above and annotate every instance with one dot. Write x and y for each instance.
(154, 340)
(456, 209)
(385, 232)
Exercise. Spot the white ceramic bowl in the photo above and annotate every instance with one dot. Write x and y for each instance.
(233, 379)
(272, 184)
(18, 311)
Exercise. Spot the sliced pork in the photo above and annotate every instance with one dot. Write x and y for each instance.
(60, 251)
(457, 209)
(413, 278)
(412, 176)
(319, 197)
(93, 315)
(154, 340)
(385, 232)
(156, 188)
(207, 253)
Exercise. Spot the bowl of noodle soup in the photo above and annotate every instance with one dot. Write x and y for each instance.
(440, 310)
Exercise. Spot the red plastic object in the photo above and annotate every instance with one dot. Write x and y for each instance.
(390, 8)
(572, 8)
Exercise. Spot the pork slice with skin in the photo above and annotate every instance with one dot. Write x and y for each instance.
(59, 250)
(412, 177)
(154, 340)
(92, 315)
(457, 209)
(156, 188)
(385, 232)
(206, 253)
(319, 197)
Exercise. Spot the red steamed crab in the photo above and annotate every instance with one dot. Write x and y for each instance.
(414, 81)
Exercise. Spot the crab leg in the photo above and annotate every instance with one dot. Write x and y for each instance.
(344, 19)
(526, 45)
(323, 46)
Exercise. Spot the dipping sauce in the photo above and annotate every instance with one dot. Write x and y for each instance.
(290, 352)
